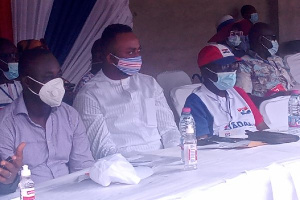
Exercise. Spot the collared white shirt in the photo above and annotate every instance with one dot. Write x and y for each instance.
(126, 115)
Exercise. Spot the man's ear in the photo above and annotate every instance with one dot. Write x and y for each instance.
(108, 59)
(111, 59)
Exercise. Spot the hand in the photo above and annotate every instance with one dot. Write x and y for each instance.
(8, 176)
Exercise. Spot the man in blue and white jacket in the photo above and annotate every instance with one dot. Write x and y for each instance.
(217, 106)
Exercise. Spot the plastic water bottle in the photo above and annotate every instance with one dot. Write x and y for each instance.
(186, 118)
(26, 185)
(294, 113)
(190, 149)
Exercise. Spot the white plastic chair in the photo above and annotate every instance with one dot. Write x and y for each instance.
(294, 63)
(179, 95)
(172, 79)
(275, 113)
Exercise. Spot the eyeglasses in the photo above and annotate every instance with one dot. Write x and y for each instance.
(234, 33)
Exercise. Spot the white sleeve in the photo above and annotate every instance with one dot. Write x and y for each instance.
(97, 131)
(165, 120)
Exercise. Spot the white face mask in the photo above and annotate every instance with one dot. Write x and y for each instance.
(51, 92)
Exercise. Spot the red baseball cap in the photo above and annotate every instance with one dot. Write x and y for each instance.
(216, 53)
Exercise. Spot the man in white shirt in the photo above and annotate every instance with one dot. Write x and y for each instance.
(122, 109)
(10, 89)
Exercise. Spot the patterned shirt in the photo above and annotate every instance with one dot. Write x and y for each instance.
(59, 149)
(126, 115)
(259, 77)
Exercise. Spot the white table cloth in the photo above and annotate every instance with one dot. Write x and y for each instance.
(265, 172)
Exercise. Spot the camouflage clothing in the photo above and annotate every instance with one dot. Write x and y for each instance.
(258, 76)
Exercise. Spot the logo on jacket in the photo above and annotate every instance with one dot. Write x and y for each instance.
(238, 124)
(245, 110)
(225, 51)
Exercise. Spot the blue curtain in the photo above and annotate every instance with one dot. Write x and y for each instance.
(65, 23)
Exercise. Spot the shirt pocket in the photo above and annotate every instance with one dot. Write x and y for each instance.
(150, 112)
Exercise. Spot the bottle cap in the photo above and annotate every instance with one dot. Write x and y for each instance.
(25, 171)
(186, 110)
(190, 129)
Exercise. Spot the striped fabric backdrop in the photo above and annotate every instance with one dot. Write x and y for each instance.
(69, 27)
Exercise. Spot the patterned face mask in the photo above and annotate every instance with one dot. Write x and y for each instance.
(129, 66)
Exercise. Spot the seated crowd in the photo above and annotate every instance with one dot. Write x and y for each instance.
(119, 110)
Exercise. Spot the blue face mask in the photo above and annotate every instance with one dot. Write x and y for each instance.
(13, 70)
(129, 66)
(275, 46)
(234, 40)
(226, 80)
(254, 18)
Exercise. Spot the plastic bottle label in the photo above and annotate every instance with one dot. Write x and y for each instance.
(190, 154)
(28, 194)
(294, 121)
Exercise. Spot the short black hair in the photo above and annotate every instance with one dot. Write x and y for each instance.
(28, 57)
(109, 35)
(246, 8)
(96, 46)
(236, 26)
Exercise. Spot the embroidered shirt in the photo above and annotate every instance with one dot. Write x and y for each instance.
(126, 115)
(258, 76)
